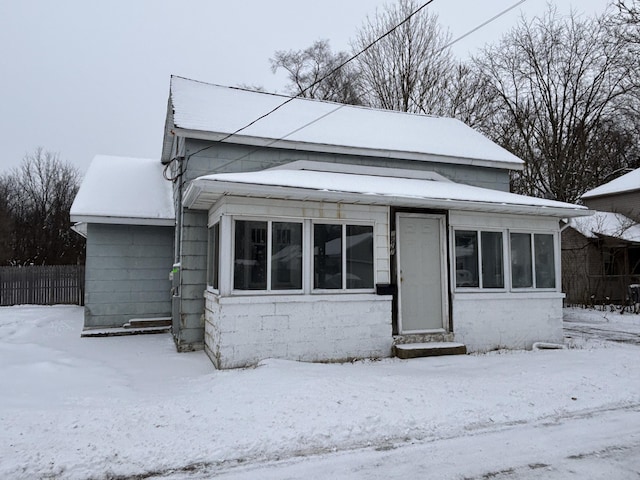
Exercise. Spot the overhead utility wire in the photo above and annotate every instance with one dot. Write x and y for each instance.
(353, 57)
(452, 42)
(305, 90)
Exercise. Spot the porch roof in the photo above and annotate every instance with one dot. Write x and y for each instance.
(370, 189)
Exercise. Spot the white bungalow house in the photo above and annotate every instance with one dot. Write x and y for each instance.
(327, 232)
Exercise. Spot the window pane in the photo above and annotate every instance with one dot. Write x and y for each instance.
(214, 256)
(521, 276)
(286, 256)
(545, 265)
(466, 259)
(359, 256)
(492, 269)
(250, 262)
(327, 256)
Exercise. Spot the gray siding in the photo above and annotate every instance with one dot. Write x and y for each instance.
(626, 203)
(223, 158)
(127, 273)
(188, 328)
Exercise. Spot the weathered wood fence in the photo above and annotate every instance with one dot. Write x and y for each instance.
(42, 285)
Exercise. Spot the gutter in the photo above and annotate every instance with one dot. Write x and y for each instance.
(346, 150)
(197, 187)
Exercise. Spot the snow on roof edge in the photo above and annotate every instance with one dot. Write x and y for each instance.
(628, 182)
(198, 108)
(126, 188)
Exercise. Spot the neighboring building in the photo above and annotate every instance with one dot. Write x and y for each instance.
(601, 254)
(326, 232)
(621, 195)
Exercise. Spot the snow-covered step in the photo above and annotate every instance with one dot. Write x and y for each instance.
(429, 349)
(121, 331)
(148, 322)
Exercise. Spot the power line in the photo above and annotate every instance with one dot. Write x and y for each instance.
(336, 69)
(473, 30)
(290, 99)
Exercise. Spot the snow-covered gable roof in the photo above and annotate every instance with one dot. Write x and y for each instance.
(369, 188)
(626, 183)
(208, 111)
(607, 224)
(124, 190)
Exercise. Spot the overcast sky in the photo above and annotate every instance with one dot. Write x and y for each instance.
(84, 77)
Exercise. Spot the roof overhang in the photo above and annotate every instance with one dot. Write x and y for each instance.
(203, 193)
(262, 142)
(113, 220)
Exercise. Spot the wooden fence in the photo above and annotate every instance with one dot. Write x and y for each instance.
(42, 285)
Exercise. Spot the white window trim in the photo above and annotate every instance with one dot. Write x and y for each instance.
(506, 260)
(343, 223)
(556, 261)
(480, 287)
(211, 288)
(269, 221)
(307, 256)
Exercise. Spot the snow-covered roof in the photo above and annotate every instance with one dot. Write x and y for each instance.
(366, 188)
(208, 111)
(625, 183)
(124, 190)
(607, 224)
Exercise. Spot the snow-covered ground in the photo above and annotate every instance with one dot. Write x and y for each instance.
(131, 407)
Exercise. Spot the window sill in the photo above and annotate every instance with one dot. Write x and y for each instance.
(301, 298)
(507, 295)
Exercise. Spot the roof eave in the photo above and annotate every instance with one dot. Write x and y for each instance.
(116, 220)
(346, 150)
(202, 194)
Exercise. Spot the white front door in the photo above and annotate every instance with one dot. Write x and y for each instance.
(421, 255)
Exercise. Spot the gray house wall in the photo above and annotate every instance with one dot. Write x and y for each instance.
(626, 203)
(127, 273)
(204, 158)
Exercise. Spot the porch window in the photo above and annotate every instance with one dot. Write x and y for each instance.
(213, 256)
(467, 259)
(479, 259)
(267, 255)
(532, 260)
(342, 256)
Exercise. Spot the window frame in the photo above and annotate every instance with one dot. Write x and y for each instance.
(213, 257)
(506, 260)
(505, 270)
(556, 260)
(269, 249)
(307, 255)
(343, 262)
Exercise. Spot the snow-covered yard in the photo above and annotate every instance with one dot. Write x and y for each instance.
(132, 407)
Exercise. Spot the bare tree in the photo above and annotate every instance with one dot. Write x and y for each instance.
(468, 96)
(627, 18)
(561, 85)
(408, 69)
(306, 67)
(39, 195)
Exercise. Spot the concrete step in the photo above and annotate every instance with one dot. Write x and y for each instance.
(429, 349)
(148, 322)
(120, 331)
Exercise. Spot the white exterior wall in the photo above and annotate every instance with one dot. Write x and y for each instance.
(242, 328)
(241, 331)
(485, 322)
(491, 319)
